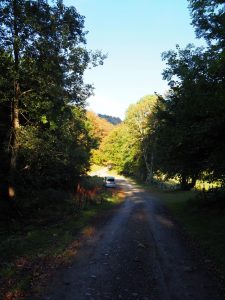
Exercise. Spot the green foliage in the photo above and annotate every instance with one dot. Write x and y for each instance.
(179, 150)
(99, 128)
(118, 150)
(43, 59)
(127, 148)
(208, 17)
(189, 121)
(54, 157)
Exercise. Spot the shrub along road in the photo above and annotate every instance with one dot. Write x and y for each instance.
(139, 253)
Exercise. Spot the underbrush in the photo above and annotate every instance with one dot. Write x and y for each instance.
(40, 236)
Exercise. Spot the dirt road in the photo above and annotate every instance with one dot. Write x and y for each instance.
(138, 254)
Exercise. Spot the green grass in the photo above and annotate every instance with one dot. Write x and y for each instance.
(44, 237)
(205, 224)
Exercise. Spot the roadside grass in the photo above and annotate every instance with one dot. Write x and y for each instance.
(42, 240)
(203, 221)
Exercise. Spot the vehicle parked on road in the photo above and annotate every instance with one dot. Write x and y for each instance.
(109, 181)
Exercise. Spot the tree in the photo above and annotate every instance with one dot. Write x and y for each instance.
(99, 128)
(118, 150)
(44, 58)
(127, 147)
(209, 21)
(189, 119)
(137, 120)
(208, 17)
(177, 152)
(182, 116)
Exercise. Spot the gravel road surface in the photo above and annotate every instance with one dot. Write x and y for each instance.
(138, 254)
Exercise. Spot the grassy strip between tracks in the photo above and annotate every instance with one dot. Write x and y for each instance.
(32, 248)
(204, 222)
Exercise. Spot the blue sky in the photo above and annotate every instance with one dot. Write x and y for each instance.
(134, 33)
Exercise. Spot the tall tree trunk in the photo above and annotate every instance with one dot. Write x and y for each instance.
(149, 166)
(14, 142)
(5, 124)
(14, 108)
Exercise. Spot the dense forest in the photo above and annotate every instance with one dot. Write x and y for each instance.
(48, 139)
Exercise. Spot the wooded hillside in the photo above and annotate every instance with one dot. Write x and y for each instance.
(110, 119)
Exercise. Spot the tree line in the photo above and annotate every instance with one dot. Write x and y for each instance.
(181, 134)
(110, 119)
(45, 137)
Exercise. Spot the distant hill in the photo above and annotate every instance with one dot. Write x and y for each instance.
(110, 119)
